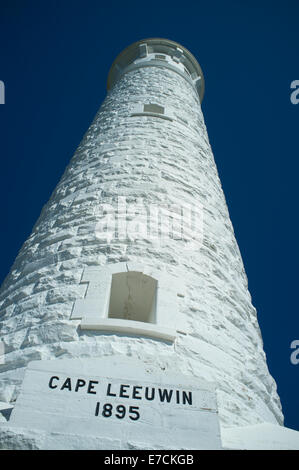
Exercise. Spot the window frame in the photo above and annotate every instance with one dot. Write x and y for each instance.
(93, 309)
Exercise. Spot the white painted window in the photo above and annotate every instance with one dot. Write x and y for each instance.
(122, 298)
(160, 56)
(133, 297)
(153, 108)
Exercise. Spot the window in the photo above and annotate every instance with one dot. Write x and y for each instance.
(160, 56)
(133, 297)
(153, 108)
(121, 298)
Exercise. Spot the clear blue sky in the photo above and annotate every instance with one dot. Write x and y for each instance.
(55, 57)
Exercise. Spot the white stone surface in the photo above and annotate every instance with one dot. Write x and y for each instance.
(264, 436)
(163, 162)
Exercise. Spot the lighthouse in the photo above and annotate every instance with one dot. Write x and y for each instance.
(126, 320)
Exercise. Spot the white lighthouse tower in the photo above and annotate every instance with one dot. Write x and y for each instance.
(125, 320)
